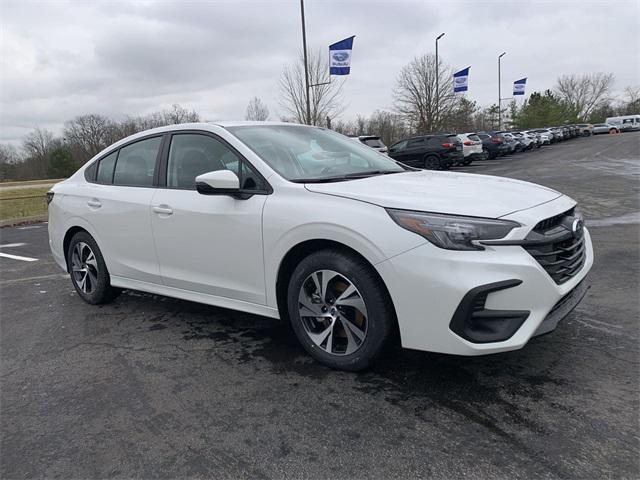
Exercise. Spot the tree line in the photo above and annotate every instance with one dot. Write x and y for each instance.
(418, 108)
(43, 155)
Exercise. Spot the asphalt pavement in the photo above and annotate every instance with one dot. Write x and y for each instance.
(153, 387)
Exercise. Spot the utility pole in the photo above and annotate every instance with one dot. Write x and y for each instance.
(306, 65)
(500, 93)
(437, 115)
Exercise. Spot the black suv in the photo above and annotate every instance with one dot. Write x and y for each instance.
(434, 152)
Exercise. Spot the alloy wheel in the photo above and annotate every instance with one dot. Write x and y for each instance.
(84, 268)
(333, 312)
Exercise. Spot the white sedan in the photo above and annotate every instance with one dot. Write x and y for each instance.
(301, 223)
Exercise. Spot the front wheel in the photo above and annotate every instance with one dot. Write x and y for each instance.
(88, 271)
(339, 309)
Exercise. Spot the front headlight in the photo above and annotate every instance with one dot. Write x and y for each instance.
(452, 232)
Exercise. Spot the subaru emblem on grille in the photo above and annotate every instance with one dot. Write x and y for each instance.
(577, 227)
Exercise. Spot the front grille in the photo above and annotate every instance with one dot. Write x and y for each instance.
(560, 251)
(549, 223)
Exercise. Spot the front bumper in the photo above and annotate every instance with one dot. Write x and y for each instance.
(428, 284)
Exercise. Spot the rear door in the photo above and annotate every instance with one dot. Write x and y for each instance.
(116, 203)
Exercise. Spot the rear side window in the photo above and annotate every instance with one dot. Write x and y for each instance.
(136, 163)
(105, 168)
(415, 142)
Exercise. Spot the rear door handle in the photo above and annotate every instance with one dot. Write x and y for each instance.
(163, 210)
(94, 203)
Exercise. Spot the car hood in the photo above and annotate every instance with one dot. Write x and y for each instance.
(442, 192)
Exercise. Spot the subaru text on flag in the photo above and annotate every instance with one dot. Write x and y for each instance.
(303, 224)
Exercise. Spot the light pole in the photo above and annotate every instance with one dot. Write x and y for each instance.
(437, 80)
(306, 65)
(500, 93)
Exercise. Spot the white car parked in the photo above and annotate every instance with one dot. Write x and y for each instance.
(545, 135)
(372, 141)
(301, 223)
(471, 147)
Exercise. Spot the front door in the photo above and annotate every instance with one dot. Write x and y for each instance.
(209, 243)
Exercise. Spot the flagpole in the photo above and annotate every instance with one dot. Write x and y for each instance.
(500, 94)
(437, 80)
(306, 65)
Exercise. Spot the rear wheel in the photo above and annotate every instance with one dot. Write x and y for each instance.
(431, 162)
(88, 271)
(339, 310)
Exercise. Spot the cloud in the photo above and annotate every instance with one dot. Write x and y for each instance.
(62, 59)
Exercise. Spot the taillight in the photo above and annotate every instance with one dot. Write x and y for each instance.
(468, 143)
(448, 145)
(496, 140)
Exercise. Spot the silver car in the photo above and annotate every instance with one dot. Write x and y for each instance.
(604, 128)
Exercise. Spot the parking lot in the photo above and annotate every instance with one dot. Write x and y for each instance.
(150, 387)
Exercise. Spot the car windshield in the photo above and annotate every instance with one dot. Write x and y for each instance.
(300, 153)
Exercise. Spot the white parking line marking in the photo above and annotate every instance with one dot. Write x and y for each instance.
(30, 227)
(10, 245)
(18, 257)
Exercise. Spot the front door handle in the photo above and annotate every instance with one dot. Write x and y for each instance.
(94, 203)
(163, 210)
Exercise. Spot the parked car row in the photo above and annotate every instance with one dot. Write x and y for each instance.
(445, 150)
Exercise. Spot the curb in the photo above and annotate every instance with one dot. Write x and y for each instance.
(23, 221)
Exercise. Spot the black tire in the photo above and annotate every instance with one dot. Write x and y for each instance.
(380, 318)
(467, 162)
(96, 288)
(431, 162)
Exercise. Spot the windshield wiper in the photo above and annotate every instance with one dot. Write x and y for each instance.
(371, 173)
(346, 176)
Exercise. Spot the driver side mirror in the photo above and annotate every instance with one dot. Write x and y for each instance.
(219, 182)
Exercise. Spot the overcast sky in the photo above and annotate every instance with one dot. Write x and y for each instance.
(61, 59)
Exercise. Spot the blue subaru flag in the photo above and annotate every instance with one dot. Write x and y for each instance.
(340, 57)
(518, 86)
(461, 80)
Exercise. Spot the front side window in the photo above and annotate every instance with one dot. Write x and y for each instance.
(400, 145)
(191, 155)
(136, 163)
(300, 153)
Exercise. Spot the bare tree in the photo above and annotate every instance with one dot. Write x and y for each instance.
(584, 93)
(179, 114)
(631, 101)
(325, 100)
(256, 110)
(88, 134)
(37, 147)
(415, 94)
